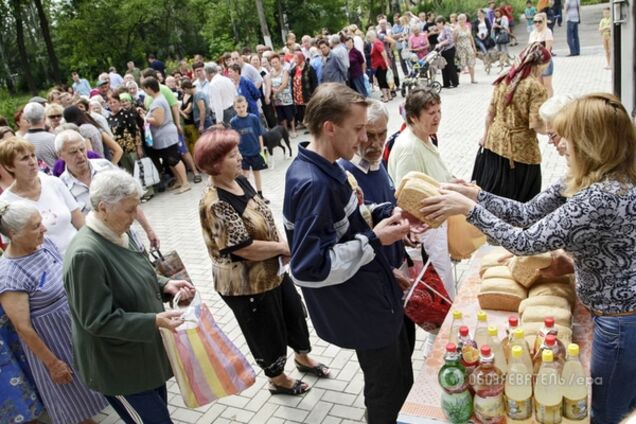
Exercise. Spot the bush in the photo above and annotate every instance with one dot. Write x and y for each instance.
(9, 103)
(469, 7)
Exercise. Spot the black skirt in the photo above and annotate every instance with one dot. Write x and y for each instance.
(494, 174)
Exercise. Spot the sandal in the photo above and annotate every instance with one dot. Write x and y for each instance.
(298, 388)
(320, 370)
(197, 178)
(182, 189)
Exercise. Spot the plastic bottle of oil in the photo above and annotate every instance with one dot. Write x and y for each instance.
(488, 384)
(548, 397)
(513, 323)
(518, 389)
(574, 386)
(519, 339)
(457, 402)
(458, 321)
(550, 342)
(481, 329)
(497, 349)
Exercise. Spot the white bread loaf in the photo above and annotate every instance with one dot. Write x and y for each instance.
(561, 316)
(492, 259)
(532, 328)
(501, 294)
(546, 300)
(565, 291)
(500, 271)
(410, 195)
(526, 269)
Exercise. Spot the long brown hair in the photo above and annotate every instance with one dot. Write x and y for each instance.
(602, 141)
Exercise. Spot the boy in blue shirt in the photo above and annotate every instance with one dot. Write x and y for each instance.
(251, 145)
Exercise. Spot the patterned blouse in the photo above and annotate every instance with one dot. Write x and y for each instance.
(510, 135)
(596, 226)
(124, 127)
(232, 222)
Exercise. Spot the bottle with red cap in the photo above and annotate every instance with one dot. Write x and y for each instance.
(558, 353)
(487, 382)
(468, 349)
(457, 402)
(513, 323)
(548, 328)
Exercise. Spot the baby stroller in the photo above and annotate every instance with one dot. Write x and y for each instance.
(423, 71)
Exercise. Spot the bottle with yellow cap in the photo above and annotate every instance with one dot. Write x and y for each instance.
(548, 396)
(574, 384)
(519, 339)
(481, 329)
(497, 349)
(518, 388)
(458, 321)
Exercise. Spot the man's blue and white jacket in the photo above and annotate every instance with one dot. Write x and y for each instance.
(347, 282)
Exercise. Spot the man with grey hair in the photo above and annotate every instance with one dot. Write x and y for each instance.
(80, 171)
(339, 49)
(37, 134)
(221, 93)
(334, 68)
(377, 188)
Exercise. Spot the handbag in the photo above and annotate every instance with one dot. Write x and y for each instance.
(169, 265)
(463, 238)
(502, 38)
(205, 362)
(146, 173)
(427, 303)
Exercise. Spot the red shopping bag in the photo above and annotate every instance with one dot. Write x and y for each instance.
(427, 302)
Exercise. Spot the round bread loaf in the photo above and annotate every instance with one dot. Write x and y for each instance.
(525, 269)
(410, 197)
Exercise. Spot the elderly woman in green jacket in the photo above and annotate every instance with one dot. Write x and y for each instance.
(116, 299)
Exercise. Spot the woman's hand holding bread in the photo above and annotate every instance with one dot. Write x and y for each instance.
(447, 203)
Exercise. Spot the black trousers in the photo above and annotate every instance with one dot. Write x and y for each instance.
(270, 322)
(388, 377)
(449, 73)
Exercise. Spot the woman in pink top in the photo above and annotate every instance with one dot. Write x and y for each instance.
(418, 42)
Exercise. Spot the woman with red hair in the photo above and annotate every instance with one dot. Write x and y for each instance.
(509, 161)
(247, 253)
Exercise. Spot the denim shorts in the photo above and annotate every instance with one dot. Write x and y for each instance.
(613, 368)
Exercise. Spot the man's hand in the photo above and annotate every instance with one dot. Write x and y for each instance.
(402, 279)
(391, 229)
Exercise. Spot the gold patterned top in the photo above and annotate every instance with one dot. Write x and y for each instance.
(229, 223)
(510, 134)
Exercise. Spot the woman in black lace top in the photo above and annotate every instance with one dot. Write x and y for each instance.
(591, 215)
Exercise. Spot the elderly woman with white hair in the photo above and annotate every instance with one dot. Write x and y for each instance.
(33, 297)
(60, 212)
(548, 111)
(116, 298)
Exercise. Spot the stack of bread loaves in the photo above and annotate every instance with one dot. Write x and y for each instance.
(499, 291)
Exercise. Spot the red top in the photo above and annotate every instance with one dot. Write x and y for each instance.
(550, 340)
(549, 322)
(463, 331)
(513, 321)
(451, 348)
(377, 61)
(485, 350)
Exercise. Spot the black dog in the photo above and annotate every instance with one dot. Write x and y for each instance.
(273, 137)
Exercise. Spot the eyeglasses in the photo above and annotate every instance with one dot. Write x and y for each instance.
(55, 116)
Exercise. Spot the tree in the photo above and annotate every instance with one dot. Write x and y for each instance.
(262, 20)
(24, 60)
(46, 34)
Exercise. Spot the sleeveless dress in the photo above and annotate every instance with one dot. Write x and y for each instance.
(465, 53)
(40, 276)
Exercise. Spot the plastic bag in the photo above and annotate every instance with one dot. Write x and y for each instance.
(427, 302)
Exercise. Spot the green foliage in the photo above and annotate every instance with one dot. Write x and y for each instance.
(9, 103)
(469, 7)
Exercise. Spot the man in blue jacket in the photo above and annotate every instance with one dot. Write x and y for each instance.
(337, 258)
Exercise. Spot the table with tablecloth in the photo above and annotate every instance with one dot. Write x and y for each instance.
(423, 404)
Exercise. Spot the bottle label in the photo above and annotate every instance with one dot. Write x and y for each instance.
(489, 407)
(457, 407)
(519, 409)
(547, 414)
(575, 409)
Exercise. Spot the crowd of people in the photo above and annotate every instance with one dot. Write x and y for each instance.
(81, 303)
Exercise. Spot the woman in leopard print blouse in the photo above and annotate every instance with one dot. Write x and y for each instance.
(247, 253)
(591, 215)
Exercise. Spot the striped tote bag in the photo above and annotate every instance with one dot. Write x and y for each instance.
(205, 362)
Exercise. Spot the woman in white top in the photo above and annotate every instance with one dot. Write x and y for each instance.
(60, 213)
(542, 34)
